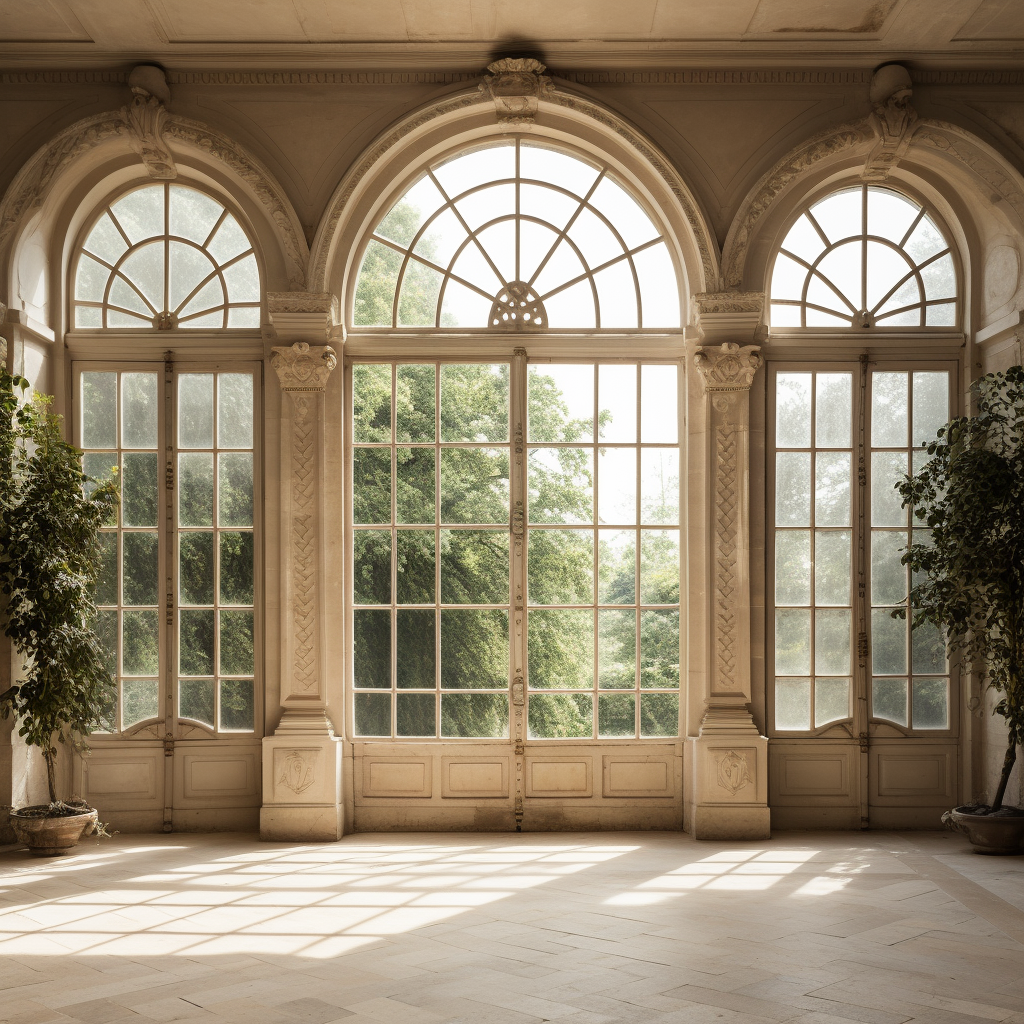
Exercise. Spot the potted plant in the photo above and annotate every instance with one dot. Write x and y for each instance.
(50, 517)
(969, 572)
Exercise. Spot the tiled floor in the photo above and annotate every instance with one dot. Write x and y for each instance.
(505, 929)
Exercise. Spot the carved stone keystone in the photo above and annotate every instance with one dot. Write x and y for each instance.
(145, 117)
(516, 85)
(892, 118)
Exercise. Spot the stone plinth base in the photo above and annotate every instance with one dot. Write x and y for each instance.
(730, 785)
(301, 789)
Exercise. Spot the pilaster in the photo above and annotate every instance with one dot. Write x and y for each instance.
(729, 755)
(302, 794)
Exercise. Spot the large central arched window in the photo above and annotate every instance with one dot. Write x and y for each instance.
(517, 233)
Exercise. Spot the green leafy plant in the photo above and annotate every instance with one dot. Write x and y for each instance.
(50, 517)
(969, 572)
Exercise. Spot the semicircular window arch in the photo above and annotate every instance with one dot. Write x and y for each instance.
(517, 235)
(864, 257)
(166, 256)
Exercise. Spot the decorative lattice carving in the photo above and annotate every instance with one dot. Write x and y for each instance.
(516, 307)
(305, 668)
(726, 568)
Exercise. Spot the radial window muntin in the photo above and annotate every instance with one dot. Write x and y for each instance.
(935, 303)
(515, 303)
(236, 303)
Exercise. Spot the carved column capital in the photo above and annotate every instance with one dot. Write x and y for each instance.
(728, 367)
(516, 85)
(301, 367)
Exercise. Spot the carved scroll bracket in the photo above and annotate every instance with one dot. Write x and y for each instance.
(145, 119)
(516, 85)
(892, 118)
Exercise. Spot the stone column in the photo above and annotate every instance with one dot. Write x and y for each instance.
(302, 796)
(730, 756)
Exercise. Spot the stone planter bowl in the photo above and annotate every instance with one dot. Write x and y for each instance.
(51, 837)
(987, 834)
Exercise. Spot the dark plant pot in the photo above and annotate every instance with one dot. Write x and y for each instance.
(50, 837)
(988, 834)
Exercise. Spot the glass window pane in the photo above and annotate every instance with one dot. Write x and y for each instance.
(561, 567)
(139, 489)
(659, 714)
(560, 482)
(371, 570)
(474, 715)
(414, 405)
(371, 401)
(931, 405)
(616, 481)
(560, 716)
(371, 660)
(659, 649)
(659, 566)
(106, 584)
(888, 643)
(474, 567)
(792, 641)
(561, 650)
(195, 410)
(416, 714)
(415, 567)
(237, 566)
(889, 409)
(831, 701)
(474, 485)
(192, 214)
(141, 213)
(616, 645)
(833, 410)
(793, 489)
(235, 487)
(140, 643)
(617, 555)
(371, 485)
(195, 567)
(474, 402)
(195, 643)
(888, 575)
(140, 568)
(832, 567)
(887, 469)
(792, 704)
(139, 410)
(416, 661)
(659, 403)
(195, 700)
(793, 410)
(237, 651)
(237, 705)
(659, 485)
(140, 700)
(793, 567)
(234, 410)
(372, 714)
(616, 715)
(928, 649)
(889, 700)
(195, 489)
(474, 649)
(832, 489)
(832, 642)
(931, 704)
(415, 485)
(560, 401)
(616, 403)
(99, 410)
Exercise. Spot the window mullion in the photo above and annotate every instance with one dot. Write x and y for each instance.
(861, 541)
(169, 547)
(517, 397)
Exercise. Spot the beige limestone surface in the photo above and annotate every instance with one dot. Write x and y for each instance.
(883, 928)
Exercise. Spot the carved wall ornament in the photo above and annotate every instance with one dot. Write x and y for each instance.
(297, 771)
(301, 367)
(892, 118)
(726, 302)
(145, 117)
(516, 85)
(734, 771)
(727, 570)
(301, 302)
(728, 367)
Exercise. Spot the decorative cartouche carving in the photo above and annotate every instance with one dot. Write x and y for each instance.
(516, 85)
(734, 771)
(728, 367)
(301, 367)
(145, 119)
(892, 118)
(297, 770)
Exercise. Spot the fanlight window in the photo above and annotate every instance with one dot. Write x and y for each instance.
(167, 256)
(517, 236)
(864, 257)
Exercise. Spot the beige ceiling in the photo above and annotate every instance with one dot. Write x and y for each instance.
(463, 34)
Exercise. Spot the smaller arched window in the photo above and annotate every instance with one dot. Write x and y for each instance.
(517, 234)
(864, 257)
(166, 256)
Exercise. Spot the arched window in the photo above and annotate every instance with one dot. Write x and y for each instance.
(864, 257)
(166, 256)
(517, 233)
